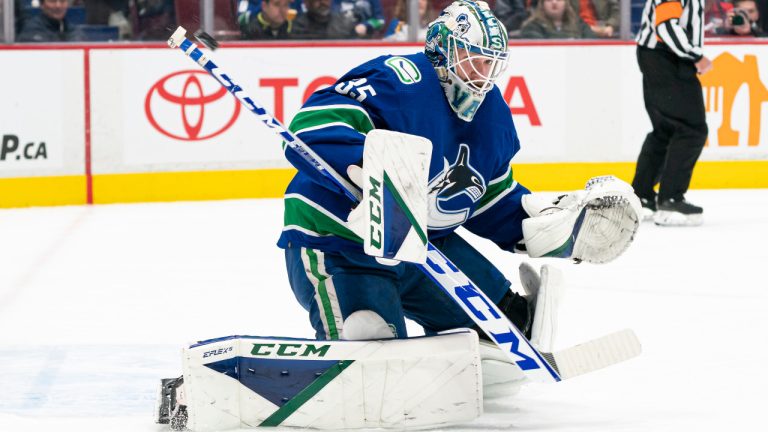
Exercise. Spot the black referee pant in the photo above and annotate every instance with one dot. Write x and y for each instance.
(675, 104)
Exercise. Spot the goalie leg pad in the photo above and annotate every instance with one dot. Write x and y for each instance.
(242, 381)
(502, 378)
(547, 308)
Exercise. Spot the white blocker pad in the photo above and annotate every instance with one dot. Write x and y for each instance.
(246, 381)
(395, 178)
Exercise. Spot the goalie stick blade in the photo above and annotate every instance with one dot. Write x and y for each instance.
(206, 40)
(596, 354)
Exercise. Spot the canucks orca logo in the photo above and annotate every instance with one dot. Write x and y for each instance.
(462, 25)
(454, 191)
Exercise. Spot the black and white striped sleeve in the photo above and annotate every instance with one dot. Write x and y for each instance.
(680, 26)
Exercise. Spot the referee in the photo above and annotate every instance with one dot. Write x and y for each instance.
(670, 56)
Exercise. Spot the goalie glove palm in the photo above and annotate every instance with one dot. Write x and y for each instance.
(596, 224)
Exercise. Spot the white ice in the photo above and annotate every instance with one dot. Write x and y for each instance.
(97, 301)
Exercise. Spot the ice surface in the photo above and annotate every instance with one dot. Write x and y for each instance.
(97, 301)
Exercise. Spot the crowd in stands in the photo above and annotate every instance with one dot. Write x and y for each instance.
(97, 20)
(736, 18)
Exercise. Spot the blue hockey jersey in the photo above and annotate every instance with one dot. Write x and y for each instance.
(471, 181)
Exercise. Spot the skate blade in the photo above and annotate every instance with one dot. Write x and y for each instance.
(646, 214)
(670, 218)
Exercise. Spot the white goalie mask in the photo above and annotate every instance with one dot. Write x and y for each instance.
(468, 47)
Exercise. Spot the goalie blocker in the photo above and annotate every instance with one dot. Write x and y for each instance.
(392, 216)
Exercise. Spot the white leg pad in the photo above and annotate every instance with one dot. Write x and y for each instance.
(245, 382)
(530, 279)
(502, 378)
(548, 299)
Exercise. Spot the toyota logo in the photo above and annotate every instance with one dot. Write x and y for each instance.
(190, 106)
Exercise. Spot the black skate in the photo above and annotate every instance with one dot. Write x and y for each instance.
(519, 309)
(170, 404)
(678, 212)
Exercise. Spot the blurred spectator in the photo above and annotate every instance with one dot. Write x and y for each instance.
(602, 16)
(248, 8)
(320, 22)
(50, 25)
(398, 28)
(716, 19)
(155, 19)
(512, 13)
(367, 14)
(555, 19)
(744, 18)
(109, 12)
(273, 21)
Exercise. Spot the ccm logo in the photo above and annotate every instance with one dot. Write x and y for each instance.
(374, 207)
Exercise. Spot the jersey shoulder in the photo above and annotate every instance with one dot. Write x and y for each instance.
(390, 91)
(405, 70)
(496, 109)
(391, 76)
(494, 118)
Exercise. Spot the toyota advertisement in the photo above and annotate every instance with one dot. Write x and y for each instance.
(177, 106)
(167, 114)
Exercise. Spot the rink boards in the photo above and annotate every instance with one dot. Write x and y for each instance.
(105, 124)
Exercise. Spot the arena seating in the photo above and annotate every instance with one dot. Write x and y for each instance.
(97, 33)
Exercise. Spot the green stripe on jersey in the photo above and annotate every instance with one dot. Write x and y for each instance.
(495, 190)
(355, 117)
(304, 215)
(322, 292)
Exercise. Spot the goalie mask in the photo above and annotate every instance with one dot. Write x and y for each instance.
(468, 47)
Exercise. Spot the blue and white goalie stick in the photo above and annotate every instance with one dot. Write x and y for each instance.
(537, 366)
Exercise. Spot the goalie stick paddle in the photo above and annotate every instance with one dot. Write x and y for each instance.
(438, 267)
(595, 354)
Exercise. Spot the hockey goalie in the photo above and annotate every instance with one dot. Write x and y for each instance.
(429, 140)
